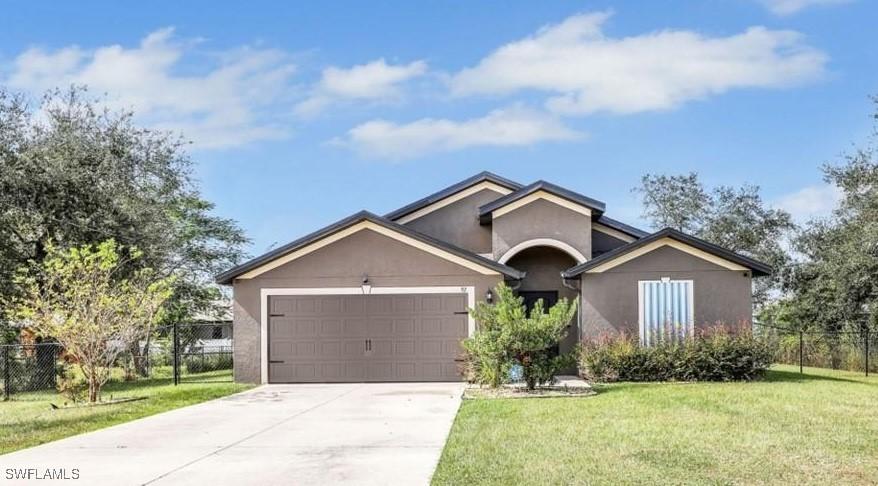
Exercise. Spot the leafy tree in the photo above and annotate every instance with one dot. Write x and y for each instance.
(835, 285)
(507, 335)
(735, 218)
(87, 300)
(674, 201)
(72, 173)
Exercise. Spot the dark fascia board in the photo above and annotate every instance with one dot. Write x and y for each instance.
(620, 226)
(758, 268)
(593, 204)
(451, 190)
(227, 277)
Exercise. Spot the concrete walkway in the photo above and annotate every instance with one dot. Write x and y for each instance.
(382, 433)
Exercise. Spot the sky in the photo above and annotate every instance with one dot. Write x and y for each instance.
(302, 113)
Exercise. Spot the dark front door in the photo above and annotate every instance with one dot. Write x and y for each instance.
(550, 298)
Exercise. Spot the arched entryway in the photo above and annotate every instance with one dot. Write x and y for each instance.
(544, 265)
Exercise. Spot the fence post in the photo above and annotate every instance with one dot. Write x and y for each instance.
(867, 351)
(176, 355)
(801, 351)
(7, 379)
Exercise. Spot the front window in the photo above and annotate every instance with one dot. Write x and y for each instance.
(667, 310)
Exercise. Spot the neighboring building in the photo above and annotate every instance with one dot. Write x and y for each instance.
(212, 330)
(372, 298)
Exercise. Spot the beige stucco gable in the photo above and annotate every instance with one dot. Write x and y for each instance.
(541, 219)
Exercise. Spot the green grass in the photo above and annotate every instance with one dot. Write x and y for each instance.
(817, 428)
(28, 419)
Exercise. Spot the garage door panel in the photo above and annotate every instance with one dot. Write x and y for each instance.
(403, 303)
(280, 328)
(281, 348)
(381, 348)
(330, 328)
(351, 338)
(353, 305)
(431, 348)
(354, 348)
(431, 303)
(405, 348)
(380, 326)
(330, 349)
(304, 328)
(404, 327)
(354, 326)
(331, 304)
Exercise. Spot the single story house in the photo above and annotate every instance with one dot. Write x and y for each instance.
(385, 298)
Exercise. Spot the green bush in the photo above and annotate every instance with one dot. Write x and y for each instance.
(507, 335)
(715, 355)
(196, 363)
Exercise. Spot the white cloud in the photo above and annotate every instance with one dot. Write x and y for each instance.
(515, 126)
(810, 202)
(374, 81)
(789, 7)
(235, 101)
(587, 71)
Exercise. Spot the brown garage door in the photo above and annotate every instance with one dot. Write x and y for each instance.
(344, 338)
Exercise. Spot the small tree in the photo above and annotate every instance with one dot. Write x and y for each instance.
(507, 335)
(81, 298)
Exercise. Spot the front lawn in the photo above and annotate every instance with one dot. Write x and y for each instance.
(28, 419)
(817, 428)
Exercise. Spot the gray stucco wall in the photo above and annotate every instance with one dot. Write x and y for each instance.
(387, 262)
(602, 243)
(458, 223)
(541, 219)
(610, 299)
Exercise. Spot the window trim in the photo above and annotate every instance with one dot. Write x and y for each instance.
(641, 300)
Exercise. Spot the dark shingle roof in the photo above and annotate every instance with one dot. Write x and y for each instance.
(620, 226)
(758, 268)
(228, 276)
(593, 204)
(450, 190)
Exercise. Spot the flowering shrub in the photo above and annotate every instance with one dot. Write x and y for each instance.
(714, 355)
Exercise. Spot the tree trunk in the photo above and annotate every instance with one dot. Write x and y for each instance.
(527, 370)
(138, 359)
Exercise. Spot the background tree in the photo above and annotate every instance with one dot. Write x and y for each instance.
(834, 285)
(88, 300)
(735, 218)
(674, 201)
(72, 173)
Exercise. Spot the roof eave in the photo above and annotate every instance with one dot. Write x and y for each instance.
(451, 190)
(596, 207)
(228, 277)
(757, 268)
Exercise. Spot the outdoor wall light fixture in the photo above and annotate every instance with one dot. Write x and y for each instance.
(366, 286)
(489, 297)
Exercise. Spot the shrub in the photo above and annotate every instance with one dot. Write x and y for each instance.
(71, 385)
(208, 362)
(715, 355)
(507, 335)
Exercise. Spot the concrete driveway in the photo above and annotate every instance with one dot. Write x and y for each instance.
(379, 433)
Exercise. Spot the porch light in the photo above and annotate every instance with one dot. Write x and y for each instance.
(366, 286)
(489, 297)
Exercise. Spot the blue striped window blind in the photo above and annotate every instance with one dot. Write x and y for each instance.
(666, 310)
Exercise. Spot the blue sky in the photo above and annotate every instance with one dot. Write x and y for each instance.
(303, 113)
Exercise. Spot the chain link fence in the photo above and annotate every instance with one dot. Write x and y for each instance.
(30, 368)
(838, 350)
(183, 353)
